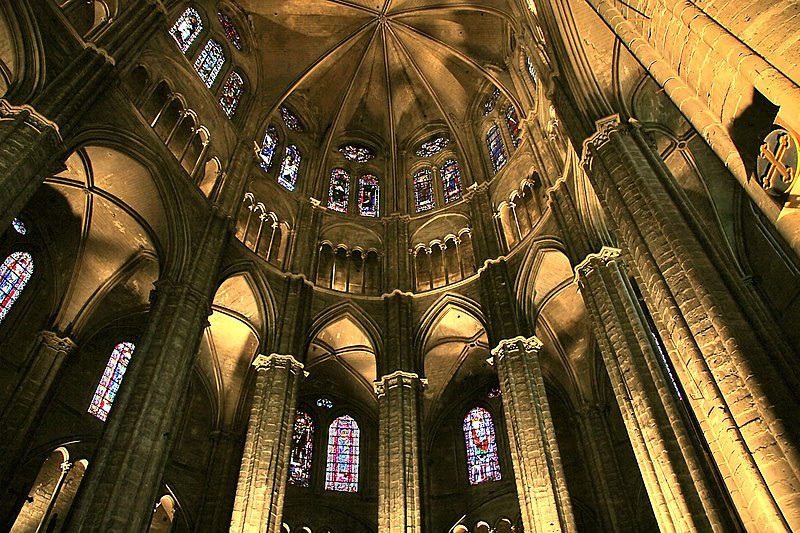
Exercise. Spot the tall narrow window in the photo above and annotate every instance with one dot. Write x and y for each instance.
(186, 28)
(512, 121)
(369, 195)
(231, 94)
(343, 447)
(210, 62)
(488, 105)
(482, 462)
(339, 193)
(230, 30)
(16, 271)
(423, 190)
(302, 447)
(451, 181)
(497, 148)
(290, 167)
(110, 381)
(268, 148)
(531, 69)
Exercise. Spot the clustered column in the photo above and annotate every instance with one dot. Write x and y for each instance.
(541, 486)
(399, 477)
(262, 479)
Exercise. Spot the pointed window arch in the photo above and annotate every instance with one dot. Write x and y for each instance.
(423, 190)
(230, 30)
(451, 181)
(231, 93)
(302, 448)
(186, 28)
(339, 192)
(15, 273)
(344, 438)
(497, 148)
(369, 195)
(268, 148)
(479, 436)
(290, 167)
(210, 62)
(111, 380)
(512, 122)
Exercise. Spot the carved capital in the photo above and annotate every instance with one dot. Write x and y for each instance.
(397, 379)
(31, 117)
(516, 345)
(603, 129)
(267, 362)
(56, 343)
(606, 255)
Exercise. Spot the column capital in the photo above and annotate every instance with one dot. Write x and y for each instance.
(33, 117)
(606, 255)
(398, 378)
(56, 343)
(66, 466)
(517, 344)
(603, 129)
(266, 362)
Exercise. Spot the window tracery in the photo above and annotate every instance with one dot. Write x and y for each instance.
(423, 190)
(497, 148)
(16, 272)
(231, 94)
(368, 196)
(302, 449)
(290, 167)
(359, 154)
(344, 438)
(482, 462)
(339, 192)
(433, 147)
(186, 28)
(210, 62)
(230, 30)
(19, 226)
(291, 121)
(268, 148)
(110, 381)
(451, 181)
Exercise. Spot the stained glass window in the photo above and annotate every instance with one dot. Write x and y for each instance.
(343, 447)
(482, 462)
(451, 181)
(497, 148)
(110, 381)
(230, 30)
(290, 167)
(369, 196)
(210, 62)
(325, 402)
(494, 392)
(302, 447)
(231, 93)
(531, 69)
(19, 226)
(423, 190)
(290, 120)
(427, 149)
(339, 193)
(512, 121)
(268, 148)
(488, 105)
(186, 28)
(359, 154)
(14, 275)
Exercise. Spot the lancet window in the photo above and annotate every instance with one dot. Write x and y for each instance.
(302, 449)
(290, 167)
(479, 435)
(344, 438)
(230, 30)
(16, 272)
(512, 122)
(268, 148)
(232, 92)
(451, 181)
(186, 28)
(423, 190)
(339, 192)
(497, 148)
(368, 196)
(210, 62)
(109, 384)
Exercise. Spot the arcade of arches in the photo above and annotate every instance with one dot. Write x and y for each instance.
(403, 266)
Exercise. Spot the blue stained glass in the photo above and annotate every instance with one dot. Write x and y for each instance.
(359, 154)
(369, 194)
(186, 28)
(302, 448)
(15, 273)
(451, 181)
(343, 455)
(230, 30)
(268, 148)
(112, 378)
(423, 190)
(339, 193)
(488, 105)
(325, 402)
(290, 120)
(290, 167)
(512, 121)
(210, 62)
(497, 148)
(482, 461)
(430, 148)
(231, 94)
(19, 226)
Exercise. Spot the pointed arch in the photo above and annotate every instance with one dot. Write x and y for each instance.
(15, 273)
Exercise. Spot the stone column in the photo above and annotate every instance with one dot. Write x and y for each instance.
(221, 481)
(400, 474)
(66, 466)
(541, 486)
(486, 241)
(734, 368)
(23, 407)
(397, 266)
(263, 475)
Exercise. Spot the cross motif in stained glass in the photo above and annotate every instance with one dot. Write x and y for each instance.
(369, 192)
(210, 62)
(359, 154)
(344, 438)
(268, 148)
(482, 462)
(512, 121)
(19, 226)
(302, 448)
(231, 94)
(451, 181)
(488, 105)
(290, 167)
(291, 121)
(230, 30)
(423, 190)
(339, 193)
(111, 379)
(497, 148)
(433, 147)
(186, 28)
(15, 273)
